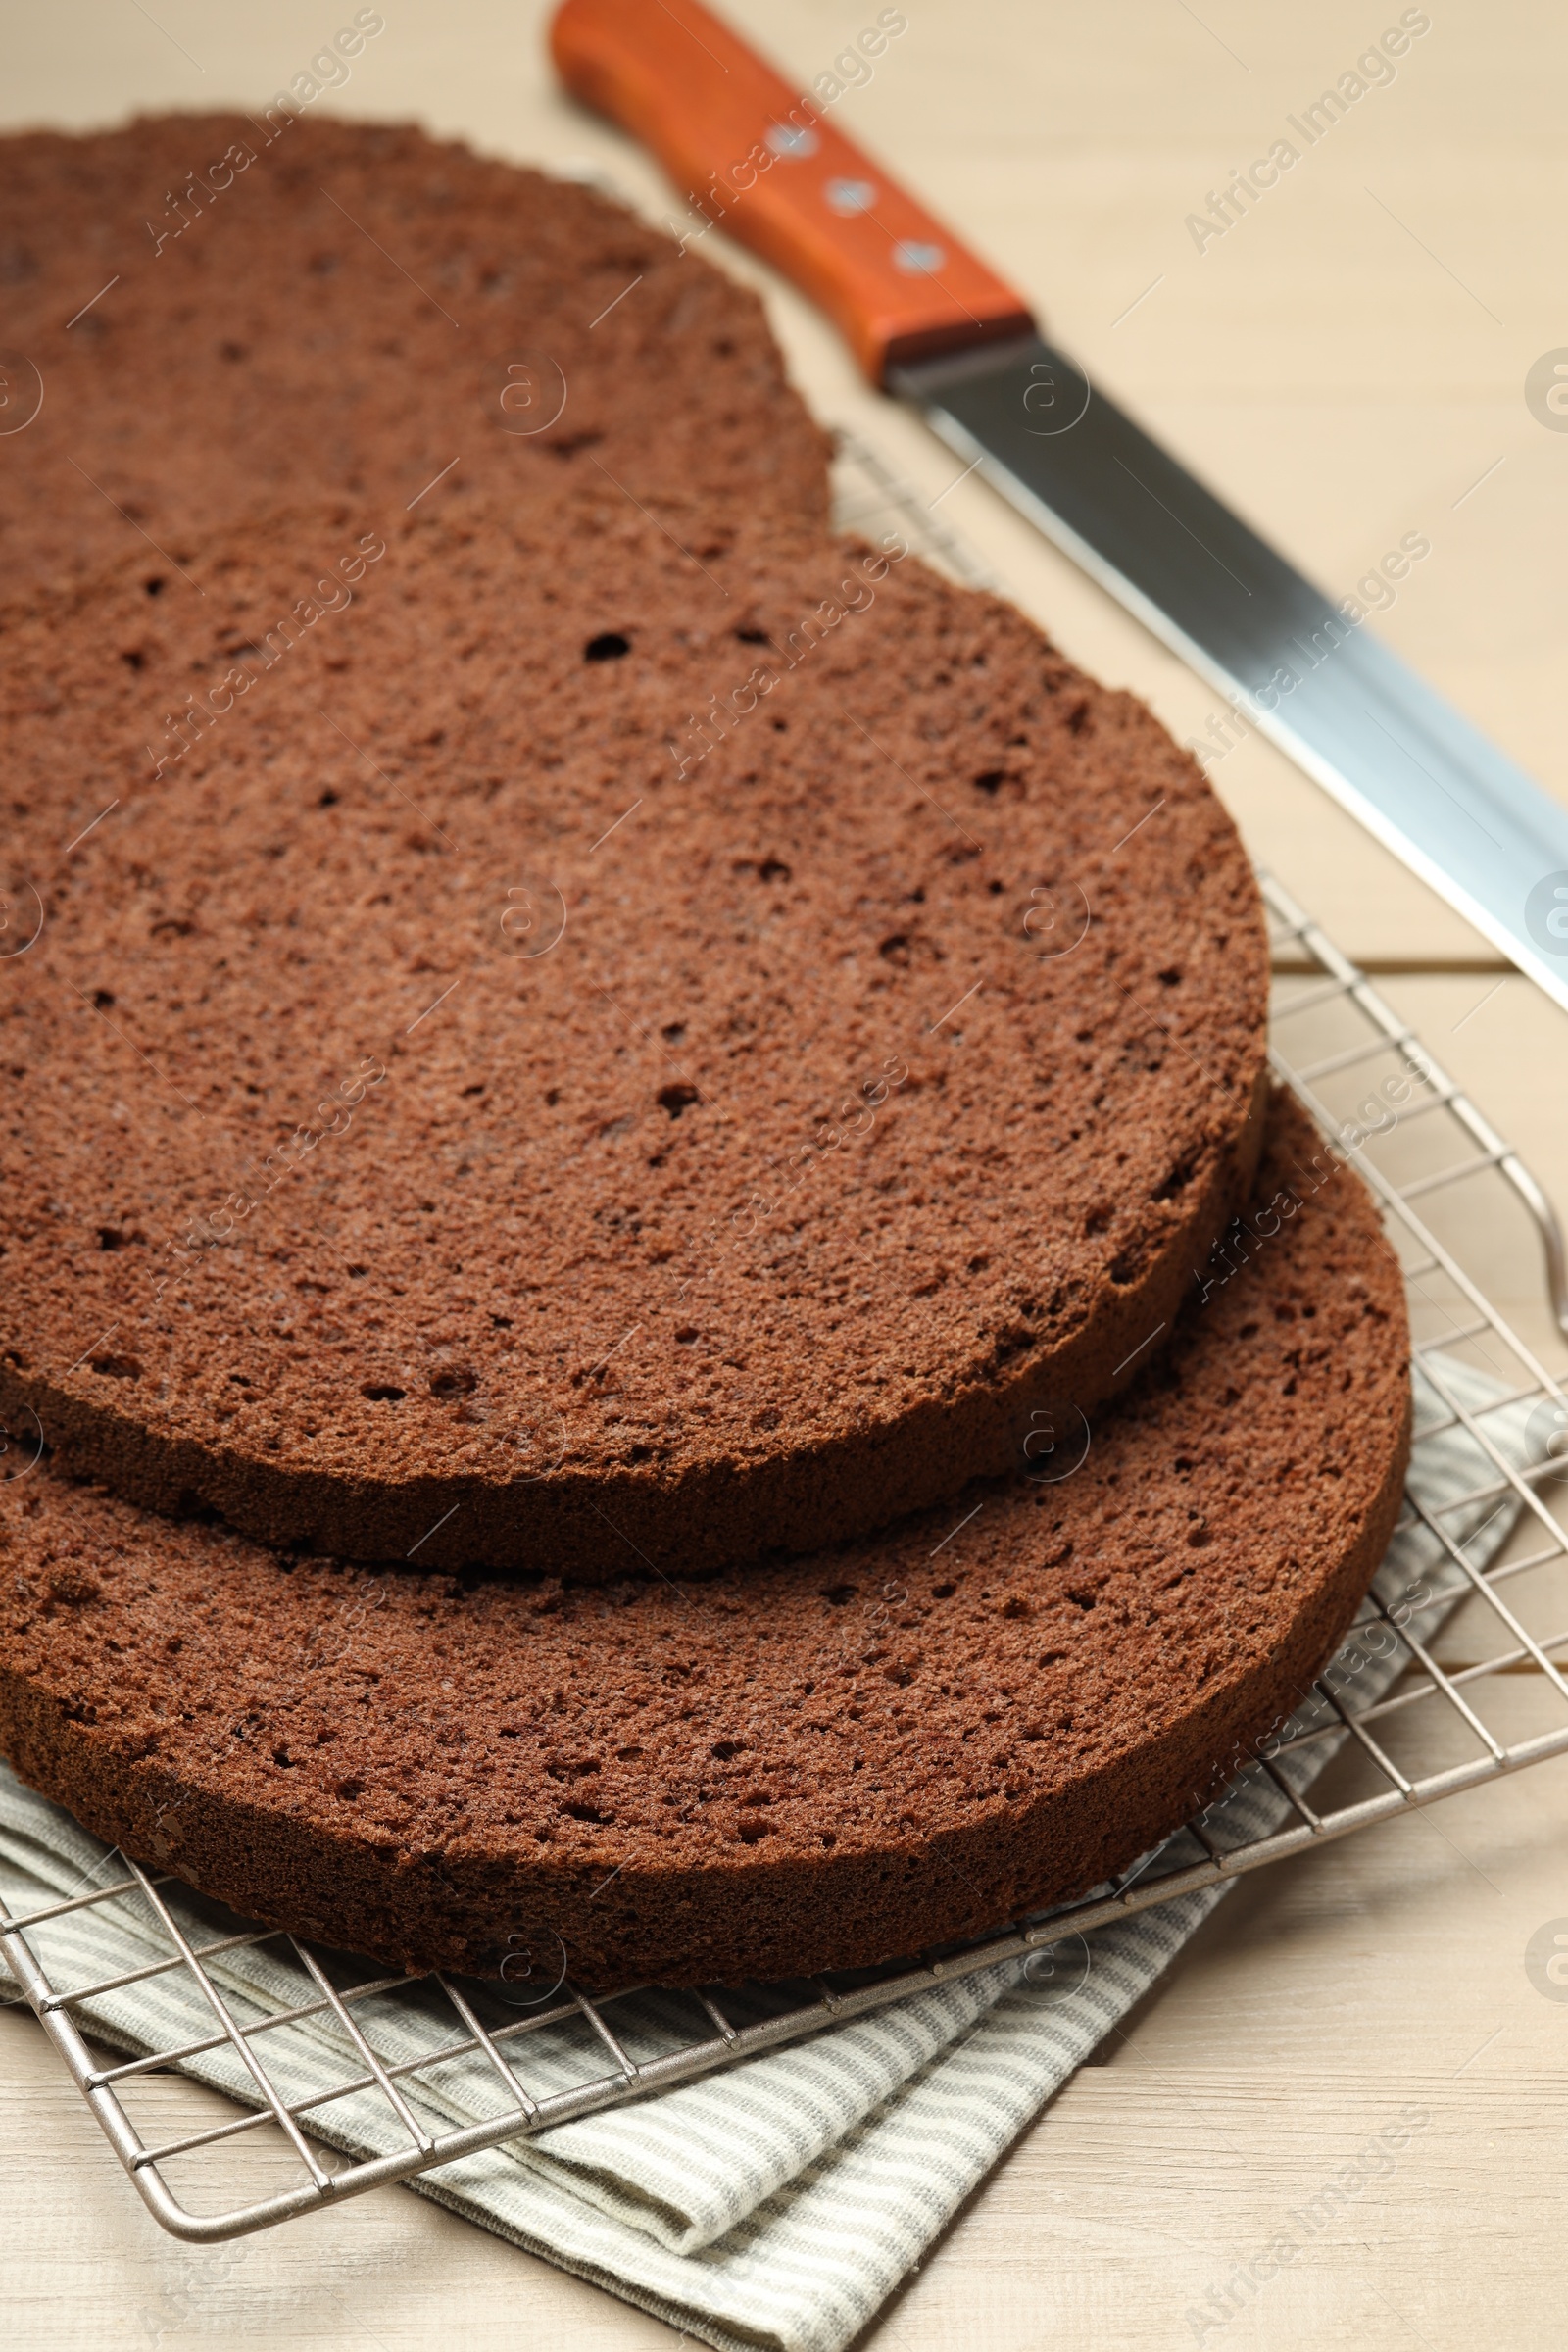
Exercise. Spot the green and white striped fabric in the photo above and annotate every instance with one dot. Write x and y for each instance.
(777, 2204)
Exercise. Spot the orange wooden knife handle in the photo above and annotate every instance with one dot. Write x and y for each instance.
(770, 163)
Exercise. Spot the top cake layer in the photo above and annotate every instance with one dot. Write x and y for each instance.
(223, 312)
(572, 1050)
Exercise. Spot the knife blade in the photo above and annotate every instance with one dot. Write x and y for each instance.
(1290, 660)
(934, 326)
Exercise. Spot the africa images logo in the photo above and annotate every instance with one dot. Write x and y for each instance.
(1547, 913)
(1546, 1959)
(1547, 390)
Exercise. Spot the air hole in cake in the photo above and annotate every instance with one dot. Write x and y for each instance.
(943, 1592)
(1098, 1219)
(452, 1381)
(154, 587)
(134, 659)
(101, 997)
(109, 1237)
(753, 1832)
(687, 1334)
(380, 1393)
(327, 800)
(1127, 1265)
(607, 646)
(723, 1749)
(838, 1594)
(359, 1273)
(1180, 1177)
(896, 948)
(116, 1367)
(1170, 977)
(674, 1031)
(677, 1098)
(773, 869)
(754, 637)
(991, 780)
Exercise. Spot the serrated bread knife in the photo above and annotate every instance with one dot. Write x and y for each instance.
(931, 323)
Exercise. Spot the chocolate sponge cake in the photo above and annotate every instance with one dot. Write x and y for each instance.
(222, 313)
(547, 1047)
(821, 1763)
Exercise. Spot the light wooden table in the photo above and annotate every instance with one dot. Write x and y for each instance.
(1349, 365)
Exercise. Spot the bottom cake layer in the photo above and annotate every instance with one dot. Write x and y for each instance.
(822, 1763)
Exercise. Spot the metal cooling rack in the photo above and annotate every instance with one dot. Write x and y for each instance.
(1445, 1179)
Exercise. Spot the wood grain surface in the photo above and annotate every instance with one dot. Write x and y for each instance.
(1347, 363)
